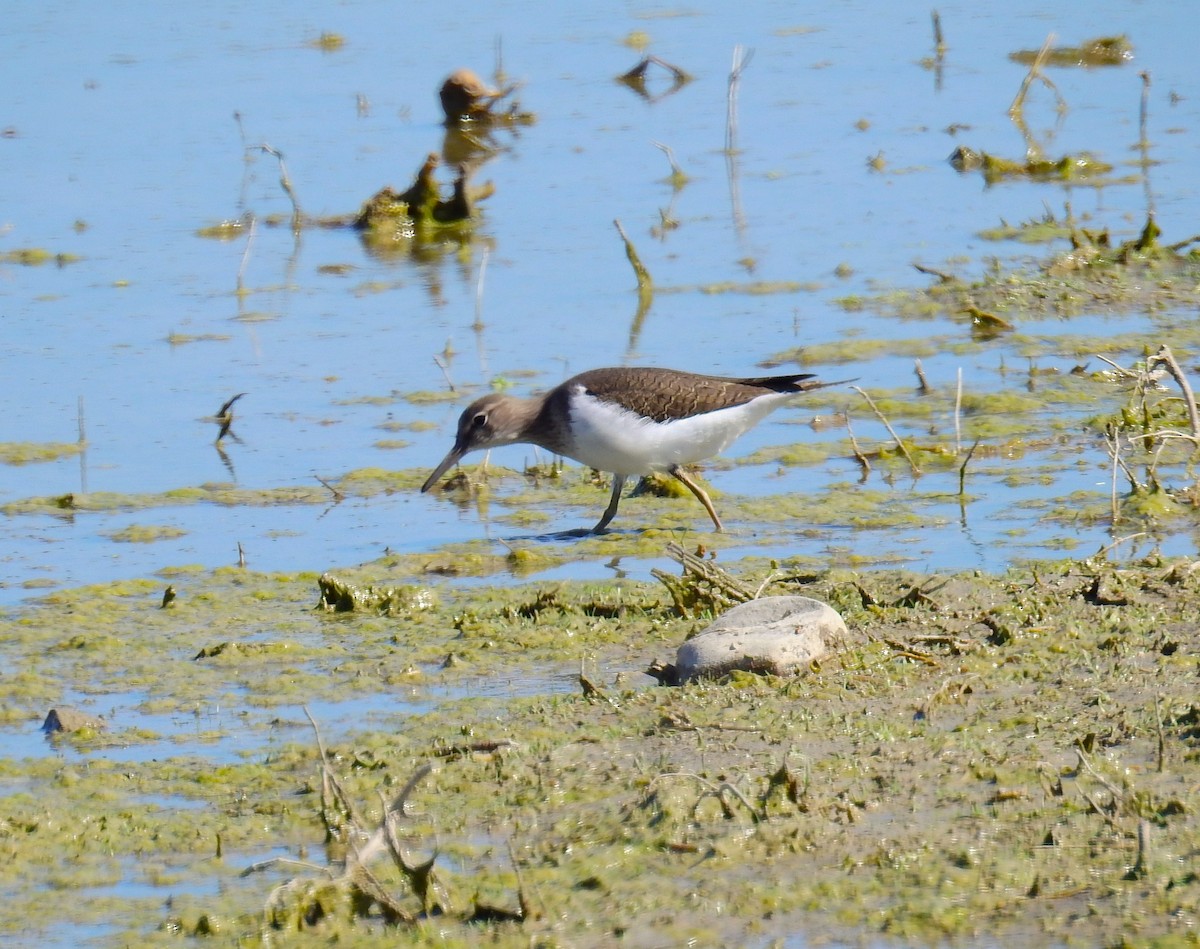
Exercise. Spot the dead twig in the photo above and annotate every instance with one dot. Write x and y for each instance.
(82, 424)
(645, 283)
(939, 41)
(285, 182)
(1120, 370)
(958, 394)
(962, 470)
(862, 459)
(741, 59)
(916, 470)
(720, 791)
(943, 276)
(250, 234)
(441, 364)
(678, 175)
(332, 489)
(1104, 551)
(483, 262)
(1166, 358)
(904, 651)
(681, 721)
(922, 382)
(1035, 72)
(703, 582)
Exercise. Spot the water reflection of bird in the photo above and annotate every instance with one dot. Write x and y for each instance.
(224, 416)
(628, 421)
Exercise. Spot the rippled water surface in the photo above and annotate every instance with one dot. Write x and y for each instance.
(121, 144)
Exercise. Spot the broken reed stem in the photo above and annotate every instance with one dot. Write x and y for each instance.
(962, 471)
(939, 42)
(81, 420)
(483, 262)
(500, 74)
(332, 489)
(858, 455)
(1143, 113)
(741, 59)
(645, 283)
(437, 361)
(1035, 72)
(316, 734)
(1143, 144)
(1104, 551)
(1134, 484)
(1119, 369)
(678, 175)
(958, 415)
(922, 382)
(285, 182)
(250, 234)
(1166, 358)
(720, 584)
(1114, 448)
(891, 431)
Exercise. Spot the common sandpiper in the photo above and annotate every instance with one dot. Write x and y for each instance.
(628, 421)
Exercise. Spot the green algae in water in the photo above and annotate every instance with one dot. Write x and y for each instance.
(28, 453)
(36, 257)
(146, 533)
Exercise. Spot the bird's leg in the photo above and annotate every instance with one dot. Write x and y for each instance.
(618, 484)
(699, 492)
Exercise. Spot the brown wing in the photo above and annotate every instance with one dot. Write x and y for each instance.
(663, 394)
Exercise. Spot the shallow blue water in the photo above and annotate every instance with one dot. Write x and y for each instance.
(124, 120)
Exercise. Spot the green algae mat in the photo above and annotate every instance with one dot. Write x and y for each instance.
(1010, 758)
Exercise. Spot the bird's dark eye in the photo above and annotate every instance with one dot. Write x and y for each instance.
(480, 420)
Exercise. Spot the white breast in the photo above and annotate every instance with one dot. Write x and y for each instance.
(610, 438)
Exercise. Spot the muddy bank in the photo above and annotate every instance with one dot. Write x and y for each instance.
(993, 758)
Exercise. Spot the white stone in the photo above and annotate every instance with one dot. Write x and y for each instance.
(777, 635)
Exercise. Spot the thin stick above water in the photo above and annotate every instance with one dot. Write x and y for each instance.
(741, 59)
(891, 431)
(285, 182)
(645, 283)
(1167, 358)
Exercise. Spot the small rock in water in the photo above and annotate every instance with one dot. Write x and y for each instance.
(70, 720)
(776, 635)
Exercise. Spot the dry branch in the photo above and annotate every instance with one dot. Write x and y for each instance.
(1165, 357)
(891, 431)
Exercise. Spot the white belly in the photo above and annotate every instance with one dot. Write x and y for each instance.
(610, 438)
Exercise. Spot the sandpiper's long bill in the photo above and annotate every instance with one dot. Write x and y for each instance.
(628, 421)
